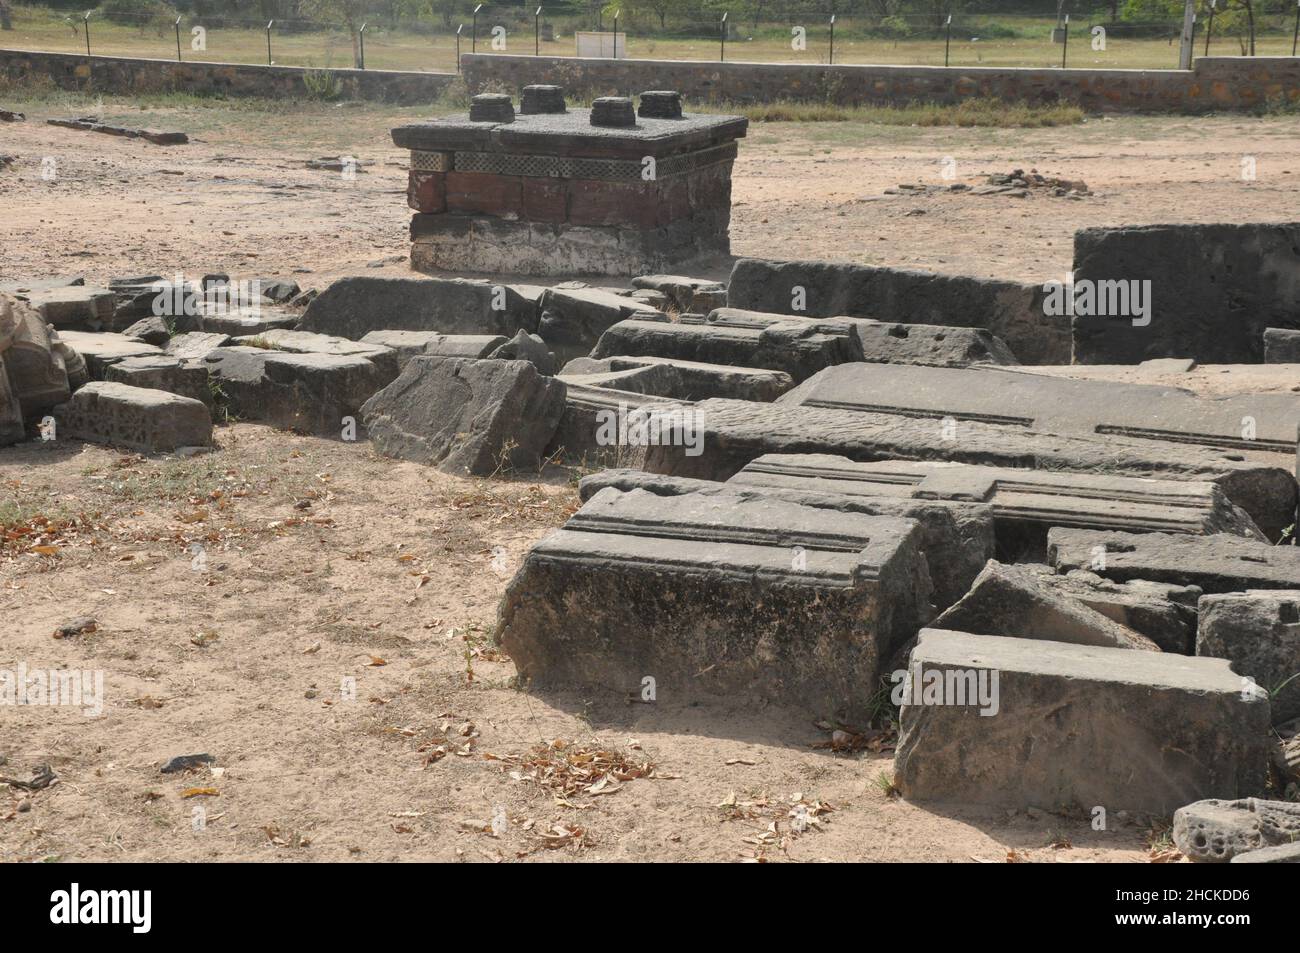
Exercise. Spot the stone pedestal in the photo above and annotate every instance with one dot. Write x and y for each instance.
(561, 194)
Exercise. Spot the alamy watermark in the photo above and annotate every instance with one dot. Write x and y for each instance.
(1106, 298)
(671, 426)
(957, 687)
(67, 688)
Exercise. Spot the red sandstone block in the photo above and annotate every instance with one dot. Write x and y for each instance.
(427, 191)
(598, 202)
(485, 193)
(545, 200)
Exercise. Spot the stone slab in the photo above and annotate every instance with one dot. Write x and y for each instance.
(246, 321)
(1214, 563)
(797, 348)
(135, 417)
(956, 538)
(195, 345)
(574, 319)
(308, 342)
(733, 433)
(103, 349)
(1249, 422)
(716, 595)
(1076, 726)
(1011, 310)
(678, 379)
(1164, 613)
(1278, 854)
(33, 359)
(407, 344)
(1013, 601)
(352, 307)
(76, 307)
(1258, 631)
(161, 372)
(466, 416)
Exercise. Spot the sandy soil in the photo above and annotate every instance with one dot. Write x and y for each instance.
(324, 561)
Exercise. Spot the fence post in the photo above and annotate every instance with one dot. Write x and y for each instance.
(1295, 33)
(722, 55)
(178, 39)
(1065, 40)
(473, 42)
(947, 38)
(537, 32)
(268, 41)
(361, 37)
(86, 22)
(616, 13)
(830, 60)
(459, 27)
(1185, 43)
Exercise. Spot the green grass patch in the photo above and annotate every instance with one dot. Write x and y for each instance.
(991, 113)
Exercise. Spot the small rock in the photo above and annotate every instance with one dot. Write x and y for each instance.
(83, 625)
(187, 762)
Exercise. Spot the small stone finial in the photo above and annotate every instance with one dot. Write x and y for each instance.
(613, 111)
(491, 107)
(542, 99)
(661, 104)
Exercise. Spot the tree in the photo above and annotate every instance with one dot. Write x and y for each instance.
(6, 21)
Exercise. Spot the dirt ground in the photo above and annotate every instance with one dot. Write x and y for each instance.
(319, 618)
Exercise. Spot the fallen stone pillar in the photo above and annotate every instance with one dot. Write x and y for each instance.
(1214, 563)
(732, 433)
(1015, 723)
(713, 595)
(798, 348)
(1026, 503)
(679, 379)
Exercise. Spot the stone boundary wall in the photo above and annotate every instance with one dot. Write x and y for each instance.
(1219, 83)
(1223, 83)
(120, 74)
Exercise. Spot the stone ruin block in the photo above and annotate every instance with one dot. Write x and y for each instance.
(1213, 290)
(11, 414)
(559, 193)
(1074, 726)
(195, 345)
(1277, 854)
(884, 343)
(135, 417)
(248, 321)
(734, 433)
(1213, 563)
(317, 394)
(680, 380)
(1020, 398)
(956, 538)
(34, 360)
(1258, 631)
(466, 416)
(308, 342)
(100, 351)
(1011, 310)
(588, 430)
(683, 294)
(353, 307)
(527, 347)
(1281, 346)
(76, 307)
(160, 372)
(1026, 503)
(798, 348)
(1013, 601)
(407, 344)
(1164, 613)
(743, 597)
(1219, 830)
(572, 320)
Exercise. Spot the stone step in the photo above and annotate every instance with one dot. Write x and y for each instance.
(135, 417)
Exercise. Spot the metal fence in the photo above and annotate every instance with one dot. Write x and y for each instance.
(433, 44)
